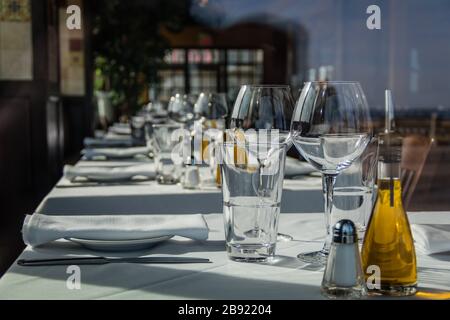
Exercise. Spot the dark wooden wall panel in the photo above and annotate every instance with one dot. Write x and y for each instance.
(30, 133)
(15, 145)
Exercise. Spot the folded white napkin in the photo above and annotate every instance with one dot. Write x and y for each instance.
(294, 167)
(120, 125)
(121, 129)
(431, 238)
(40, 229)
(115, 153)
(109, 173)
(105, 143)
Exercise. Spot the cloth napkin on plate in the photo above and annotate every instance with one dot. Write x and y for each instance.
(295, 167)
(101, 174)
(39, 229)
(115, 153)
(107, 143)
(431, 238)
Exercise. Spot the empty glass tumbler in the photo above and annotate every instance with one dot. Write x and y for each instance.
(252, 177)
(137, 125)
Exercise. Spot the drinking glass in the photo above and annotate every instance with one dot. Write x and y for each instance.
(210, 143)
(137, 125)
(252, 185)
(264, 107)
(168, 149)
(331, 128)
(354, 190)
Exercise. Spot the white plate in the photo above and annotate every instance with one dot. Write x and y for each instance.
(119, 245)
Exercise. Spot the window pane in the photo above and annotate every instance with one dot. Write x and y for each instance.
(176, 56)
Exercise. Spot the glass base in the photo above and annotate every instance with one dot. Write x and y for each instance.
(251, 252)
(281, 237)
(167, 180)
(208, 184)
(188, 187)
(344, 293)
(316, 257)
(255, 233)
(394, 291)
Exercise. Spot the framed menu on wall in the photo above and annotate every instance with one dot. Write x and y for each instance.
(16, 46)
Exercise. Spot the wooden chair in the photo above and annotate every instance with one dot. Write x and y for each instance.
(415, 151)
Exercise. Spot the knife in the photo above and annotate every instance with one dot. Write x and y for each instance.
(104, 260)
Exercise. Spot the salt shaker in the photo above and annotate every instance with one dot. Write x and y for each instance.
(343, 277)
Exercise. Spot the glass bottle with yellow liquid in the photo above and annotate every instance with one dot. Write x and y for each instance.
(388, 242)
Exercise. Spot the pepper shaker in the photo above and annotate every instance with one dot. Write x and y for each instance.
(343, 277)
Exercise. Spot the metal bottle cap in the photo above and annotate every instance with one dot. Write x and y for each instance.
(345, 232)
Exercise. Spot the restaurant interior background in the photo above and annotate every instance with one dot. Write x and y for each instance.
(135, 51)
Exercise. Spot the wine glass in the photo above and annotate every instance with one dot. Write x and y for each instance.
(180, 108)
(331, 128)
(266, 110)
(210, 111)
(211, 106)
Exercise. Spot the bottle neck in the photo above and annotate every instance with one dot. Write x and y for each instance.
(388, 170)
(389, 110)
(389, 185)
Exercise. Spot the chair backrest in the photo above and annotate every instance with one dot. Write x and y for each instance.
(414, 155)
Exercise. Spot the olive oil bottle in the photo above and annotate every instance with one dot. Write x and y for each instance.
(388, 242)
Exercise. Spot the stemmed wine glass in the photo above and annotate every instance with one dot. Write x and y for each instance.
(210, 112)
(267, 111)
(211, 106)
(331, 127)
(181, 108)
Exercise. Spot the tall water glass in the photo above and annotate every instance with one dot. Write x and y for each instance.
(137, 125)
(252, 178)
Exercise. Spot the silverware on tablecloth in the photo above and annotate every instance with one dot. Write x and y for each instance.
(82, 184)
(104, 260)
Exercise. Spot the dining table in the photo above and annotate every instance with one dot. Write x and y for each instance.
(284, 277)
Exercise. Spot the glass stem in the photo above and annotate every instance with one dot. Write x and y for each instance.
(328, 181)
(260, 195)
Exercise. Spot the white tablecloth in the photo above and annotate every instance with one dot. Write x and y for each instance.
(286, 278)
(303, 195)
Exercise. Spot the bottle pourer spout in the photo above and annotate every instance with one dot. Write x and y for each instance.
(389, 104)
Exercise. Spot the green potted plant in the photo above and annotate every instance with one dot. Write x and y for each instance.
(128, 48)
